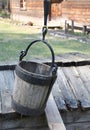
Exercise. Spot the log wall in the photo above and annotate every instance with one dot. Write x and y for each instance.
(77, 10)
(34, 9)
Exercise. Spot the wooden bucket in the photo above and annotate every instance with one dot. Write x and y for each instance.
(33, 83)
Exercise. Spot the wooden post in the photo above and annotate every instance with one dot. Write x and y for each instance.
(84, 29)
(72, 27)
(54, 119)
(66, 26)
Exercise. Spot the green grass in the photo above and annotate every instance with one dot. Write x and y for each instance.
(14, 38)
(64, 45)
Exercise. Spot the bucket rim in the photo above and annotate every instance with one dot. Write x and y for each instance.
(34, 78)
(34, 74)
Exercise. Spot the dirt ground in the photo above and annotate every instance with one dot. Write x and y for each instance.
(61, 33)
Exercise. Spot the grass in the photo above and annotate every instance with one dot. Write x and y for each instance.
(14, 38)
(64, 45)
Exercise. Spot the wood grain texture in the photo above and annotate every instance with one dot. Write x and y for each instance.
(0, 102)
(79, 11)
(58, 97)
(77, 86)
(31, 8)
(29, 95)
(76, 116)
(6, 80)
(67, 92)
(84, 73)
(23, 122)
(55, 121)
(78, 126)
(38, 128)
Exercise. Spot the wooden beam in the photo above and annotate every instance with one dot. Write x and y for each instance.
(54, 119)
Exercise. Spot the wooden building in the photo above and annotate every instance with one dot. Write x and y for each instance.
(26, 10)
(23, 10)
(71, 11)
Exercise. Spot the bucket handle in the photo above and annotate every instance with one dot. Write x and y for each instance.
(24, 53)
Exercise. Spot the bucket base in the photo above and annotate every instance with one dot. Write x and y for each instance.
(26, 111)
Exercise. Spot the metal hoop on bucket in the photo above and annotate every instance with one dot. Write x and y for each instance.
(24, 53)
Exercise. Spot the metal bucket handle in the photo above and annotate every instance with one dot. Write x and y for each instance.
(24, 53)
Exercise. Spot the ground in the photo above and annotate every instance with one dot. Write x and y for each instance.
(61, 33)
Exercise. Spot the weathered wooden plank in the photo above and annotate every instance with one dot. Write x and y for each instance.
(0, 103)
(69, 97)
(9, 79)
(70, 63)
(7, 67)
(6, 102)
(76, 116)
(84, 73)
(72, 59)
(37, 128)
(23, 122)
(77, 86)
(58, 97)
(2, 81)
(54, 119)
(2, 88)
(78, 126)
(8, 63)
(5, 78)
